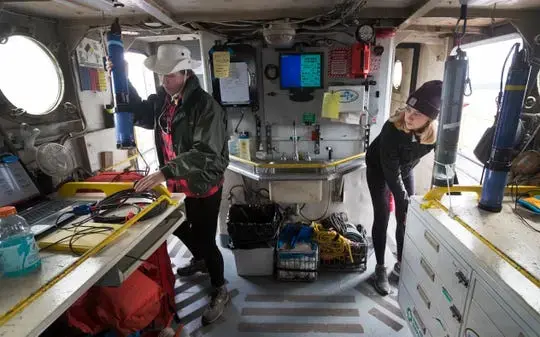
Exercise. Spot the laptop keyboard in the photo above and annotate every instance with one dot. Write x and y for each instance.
(44, 210)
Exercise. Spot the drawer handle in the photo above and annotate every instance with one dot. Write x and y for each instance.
(462, 278)
(431, 240)
(419, 320)
(423, 296)
(427, 269)
(455, 313)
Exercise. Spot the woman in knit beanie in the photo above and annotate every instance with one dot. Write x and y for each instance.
(407, 136)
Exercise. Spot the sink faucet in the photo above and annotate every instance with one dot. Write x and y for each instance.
(295, 143)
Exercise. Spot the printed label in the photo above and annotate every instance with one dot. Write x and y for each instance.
(19, 255)
(416, 329)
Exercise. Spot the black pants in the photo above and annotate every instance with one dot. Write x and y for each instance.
(381, 211)
(198, 233)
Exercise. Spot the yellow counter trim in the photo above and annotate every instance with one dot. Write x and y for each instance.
(299, 165)
(514, 87)
(111, 188)
(434, 196)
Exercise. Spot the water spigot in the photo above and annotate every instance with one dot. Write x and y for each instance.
(330, 151)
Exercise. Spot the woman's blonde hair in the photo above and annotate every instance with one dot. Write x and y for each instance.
(428, 134)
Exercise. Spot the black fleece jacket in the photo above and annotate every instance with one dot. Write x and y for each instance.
(396, 153)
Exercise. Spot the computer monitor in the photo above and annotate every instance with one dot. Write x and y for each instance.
(301, 70)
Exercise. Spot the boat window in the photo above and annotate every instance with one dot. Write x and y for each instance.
(30, 76)
(480, 107)
(397, 74)
(143, 81)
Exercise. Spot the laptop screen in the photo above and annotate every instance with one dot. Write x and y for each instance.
(15, 183)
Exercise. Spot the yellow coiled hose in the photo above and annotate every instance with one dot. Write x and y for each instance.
(332, 245)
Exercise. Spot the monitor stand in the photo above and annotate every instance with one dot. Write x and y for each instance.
(301, 94)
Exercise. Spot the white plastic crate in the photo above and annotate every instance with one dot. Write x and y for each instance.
(254, 262)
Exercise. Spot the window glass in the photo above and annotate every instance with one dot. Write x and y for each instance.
(142, 80)
(486, 60)
(30, 77)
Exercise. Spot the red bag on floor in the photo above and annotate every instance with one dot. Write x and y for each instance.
(104, 308)
(164, 277)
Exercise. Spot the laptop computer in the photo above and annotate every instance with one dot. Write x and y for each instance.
(20, 190)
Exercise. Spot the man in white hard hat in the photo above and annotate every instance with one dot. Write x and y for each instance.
(191, 142)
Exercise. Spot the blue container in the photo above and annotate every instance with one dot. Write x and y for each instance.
(500, 160)
(123, 118)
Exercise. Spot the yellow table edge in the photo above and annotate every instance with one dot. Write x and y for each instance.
(433, 199)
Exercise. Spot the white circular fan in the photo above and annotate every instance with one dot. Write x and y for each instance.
(55, 160)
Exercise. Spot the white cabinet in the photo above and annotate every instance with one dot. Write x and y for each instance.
(453, 285)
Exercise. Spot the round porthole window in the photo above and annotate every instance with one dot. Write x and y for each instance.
(30, 77)
(397, 74)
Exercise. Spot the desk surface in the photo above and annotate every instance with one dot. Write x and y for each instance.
(50, 305)
(504, 230)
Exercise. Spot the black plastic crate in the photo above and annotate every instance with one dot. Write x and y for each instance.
(252, 224)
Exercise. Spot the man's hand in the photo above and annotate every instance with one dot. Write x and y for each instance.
(149, 182)
(109, 66)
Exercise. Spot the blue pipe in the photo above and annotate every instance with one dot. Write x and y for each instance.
(500, 160)
(123, 119)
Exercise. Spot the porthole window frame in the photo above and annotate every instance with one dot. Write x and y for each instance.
(11, 108)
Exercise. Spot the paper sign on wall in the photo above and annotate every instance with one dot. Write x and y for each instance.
(222, 62)
(235, 87)
(330, 108)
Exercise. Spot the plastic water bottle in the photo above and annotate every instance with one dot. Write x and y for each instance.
(19, 253)
(233, 145)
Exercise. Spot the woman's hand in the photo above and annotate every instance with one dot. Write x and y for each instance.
(149, 182)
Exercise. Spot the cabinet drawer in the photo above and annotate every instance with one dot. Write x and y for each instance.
(455, 279)
(505, 321)
(425, 239)
(478, 324)
(415, 319)
(421, 267)
(423, 302)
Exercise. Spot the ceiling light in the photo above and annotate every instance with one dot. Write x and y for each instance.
(153, 24)
(279, 34)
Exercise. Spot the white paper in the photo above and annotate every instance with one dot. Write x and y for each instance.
(90, 53)
(235, 88)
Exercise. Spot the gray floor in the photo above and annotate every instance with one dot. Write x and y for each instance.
(337, 304)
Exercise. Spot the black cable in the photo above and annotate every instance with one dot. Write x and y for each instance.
(99, 211)
(515, 198)
(240, 121)
(318, 219)
(144, 160)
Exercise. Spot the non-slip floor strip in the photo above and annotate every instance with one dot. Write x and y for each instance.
(375, 297)
(384, 318)
(315, 312)
(272, 298)
(299, 328)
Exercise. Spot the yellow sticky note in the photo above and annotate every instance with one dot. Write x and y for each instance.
(330, 108)
(222, 62)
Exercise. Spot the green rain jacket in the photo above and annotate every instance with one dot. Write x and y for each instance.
(199, 135)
